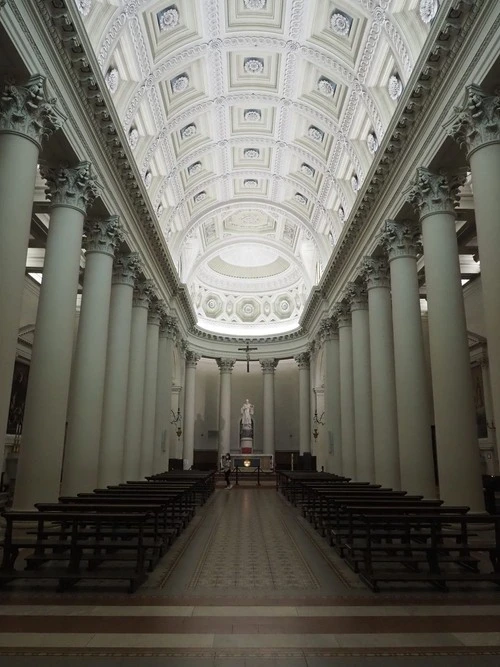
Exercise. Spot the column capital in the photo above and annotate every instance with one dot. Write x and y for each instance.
(73, 187)
(168, 327)
(431, 193)
(477, 122)
(27, 110)
(303, 360)
(268, 365)
(357, 296)
(156, 311)
(328, 329)
(143, 293)
(126, 268)
(226, 365)
(341, 312)
(103, 235)
(376, 272)
(192, 358)
(401, 239)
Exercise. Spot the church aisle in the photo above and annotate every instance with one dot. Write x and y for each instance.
(249, 582)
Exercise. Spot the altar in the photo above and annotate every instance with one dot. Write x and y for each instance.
(251, 462)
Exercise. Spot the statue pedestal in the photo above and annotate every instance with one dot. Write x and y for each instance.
(246, 445)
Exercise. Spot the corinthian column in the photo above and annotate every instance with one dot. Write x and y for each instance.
(126, 269)
(168, 330)
(156, 312)
(401, 241)
(385, 422)
(357, 296)
(433, 196)
(226, 368)
(329, 335)
(70, 190)
(189, 407)
(27, 117)
(304, 363)
(268, 366)
(143, 295)
(81, 454)
(476, 126)
(342, 314)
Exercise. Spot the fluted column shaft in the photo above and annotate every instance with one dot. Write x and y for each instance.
(477, 127)
(135, 385)
(41, 455)
(454, 409)
(333, 412)
(226, 368)
(362, 389)
(304, 362)
(189, 408)
(268, 366)
(383, 378)
(156, 311)
(81, 454)
(164, 395)
(414, 425)
(26, 117)
(125, 272)
(342, 314)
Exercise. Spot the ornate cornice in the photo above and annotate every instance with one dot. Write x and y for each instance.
(357, 296)
(477, 122)
(431, 193)
(233, 340)
(103, 235)
(27, 110)
(341, 312)
(401, 239)
(126, 269)
(303, 360)
(143, 293)
(72, 187)
(375, 271)
(268, 366)
(226, 365)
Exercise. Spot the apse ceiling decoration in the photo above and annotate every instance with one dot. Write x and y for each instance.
(253, 124)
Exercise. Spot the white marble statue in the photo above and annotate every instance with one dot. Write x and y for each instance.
(246, 413)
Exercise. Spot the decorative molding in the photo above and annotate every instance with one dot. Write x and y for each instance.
(126, 269)
(73, 187)
(168, 327)
(376, 272)
(432, 193)
(341, 312)
(303, 360)
(103, 235)
(157, 310)
(143, 293)
(477, 122)
(226, 365)
(401, 239)
(268, 366)
(192, 358)
(357, 296)
(27, 110)
(328, 329)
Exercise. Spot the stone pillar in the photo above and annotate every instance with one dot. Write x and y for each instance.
(226, 368)
(375, 271)
(476, 126)
(329, 334)
(189, 407)
(164, 394)
(268, 366)
(126, 269)
(143, 294)
(304, 363)
(81, 453)
(27, 116)
(357, 296)
(401, 240)
(155, 314)
(70, 190)
(488, 403)
(342, 314)
(458, 457)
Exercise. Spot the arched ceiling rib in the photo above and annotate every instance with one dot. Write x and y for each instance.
(264, 113)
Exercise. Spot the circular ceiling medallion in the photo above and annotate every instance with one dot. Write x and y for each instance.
(340, 23)
(194, 168)
(251, 183)
(180, 83)
(84, 6)
(112, 79)
(341, 213)
(355, 182)
(159, 210)
(394, 86)
(315, 133)
(133, 137)
(255, 4)
(251, 153)
(188, 131)
(300, 198)
(253, 65)
(168, 19)
(148, 179)
(200, 196)
(428, 10)
(252, 115)
(372, 142)
(307, 170)
(326, 87)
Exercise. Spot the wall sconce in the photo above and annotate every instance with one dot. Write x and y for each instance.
(315, 433)
(177, 419)
(317, 420)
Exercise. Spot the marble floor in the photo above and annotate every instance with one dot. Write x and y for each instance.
(248, 583)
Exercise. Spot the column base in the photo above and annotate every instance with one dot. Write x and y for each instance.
(246, 445)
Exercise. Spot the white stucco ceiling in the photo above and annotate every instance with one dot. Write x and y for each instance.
(253, 124)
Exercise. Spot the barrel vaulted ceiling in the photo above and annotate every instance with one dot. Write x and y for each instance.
(253, 124)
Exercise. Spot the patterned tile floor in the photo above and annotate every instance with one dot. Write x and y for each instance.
(249, 583)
